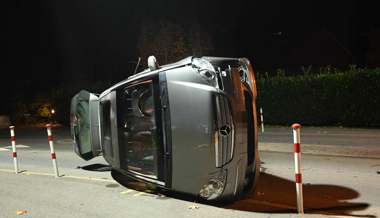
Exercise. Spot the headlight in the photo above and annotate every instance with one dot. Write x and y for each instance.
(209, 75)
(214, 188)
(205, 69)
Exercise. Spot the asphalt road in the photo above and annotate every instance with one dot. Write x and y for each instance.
(334, 185)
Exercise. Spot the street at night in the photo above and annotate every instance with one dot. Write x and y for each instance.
(203, 108)
(336, 183)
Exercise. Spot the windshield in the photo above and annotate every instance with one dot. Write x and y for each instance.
(138, 130)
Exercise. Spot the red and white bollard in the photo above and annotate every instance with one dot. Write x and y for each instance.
(52, 152)
(262, 119)
(297, 162)
(14, 151)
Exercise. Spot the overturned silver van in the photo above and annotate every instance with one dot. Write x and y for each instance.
(188, 127)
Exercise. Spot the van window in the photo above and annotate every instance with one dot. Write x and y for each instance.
(138, 129)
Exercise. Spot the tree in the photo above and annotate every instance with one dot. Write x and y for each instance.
(166, 41)
(169, 42)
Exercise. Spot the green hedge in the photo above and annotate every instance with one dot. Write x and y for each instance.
(348, 98)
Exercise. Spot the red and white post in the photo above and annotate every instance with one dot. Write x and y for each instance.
(52, 152)
(14, 151)
(297, 162)
(262, 119)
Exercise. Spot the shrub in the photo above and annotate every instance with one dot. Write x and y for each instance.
(350, 98)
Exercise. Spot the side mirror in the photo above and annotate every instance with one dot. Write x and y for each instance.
(152, 63)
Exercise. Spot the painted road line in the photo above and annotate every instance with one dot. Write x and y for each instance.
(144, 193)
(36, 173)
(90, 178)
(17, 146)
(139, 194)
(127, 191)
(29, 173)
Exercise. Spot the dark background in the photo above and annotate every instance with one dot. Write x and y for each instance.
(56, 43)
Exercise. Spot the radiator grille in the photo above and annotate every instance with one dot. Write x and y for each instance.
(224, 134)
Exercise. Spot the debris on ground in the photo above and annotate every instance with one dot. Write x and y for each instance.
(21, 212)
(378, 172)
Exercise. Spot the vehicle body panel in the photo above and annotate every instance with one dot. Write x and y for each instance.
(187, 99)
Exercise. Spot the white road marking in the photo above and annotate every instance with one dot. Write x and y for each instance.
(138, 194)
(126, 191)
(17, 146)
(28, 173)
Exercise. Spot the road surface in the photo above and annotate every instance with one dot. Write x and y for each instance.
(334, 185)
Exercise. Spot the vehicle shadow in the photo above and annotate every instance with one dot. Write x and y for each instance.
(277, 195)
(274, 194)
(96, 167)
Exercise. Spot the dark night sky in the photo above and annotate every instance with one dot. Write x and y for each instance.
(54, 42)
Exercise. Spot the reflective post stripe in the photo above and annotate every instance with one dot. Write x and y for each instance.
(262, 119)
(14, 151)
(52, 152)
(297, 166)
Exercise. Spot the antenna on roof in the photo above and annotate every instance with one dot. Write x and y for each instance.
(137, 65)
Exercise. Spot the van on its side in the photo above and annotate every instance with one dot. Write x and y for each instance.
(188, 127)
